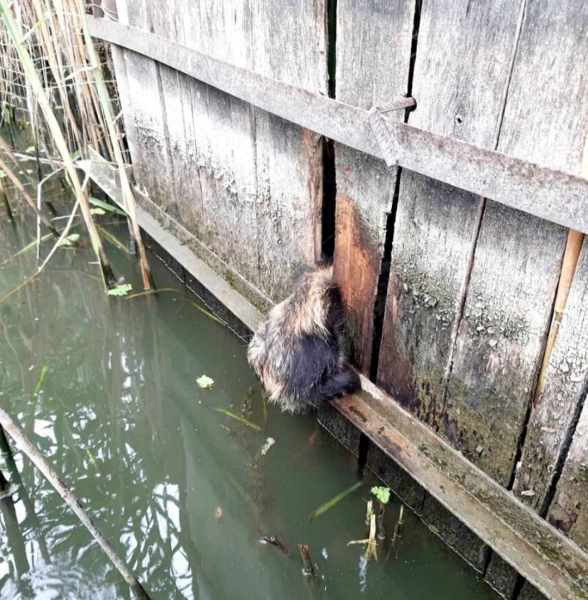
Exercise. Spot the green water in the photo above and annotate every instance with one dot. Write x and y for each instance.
(178, 487)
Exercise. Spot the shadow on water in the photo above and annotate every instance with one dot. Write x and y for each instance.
(181, 490)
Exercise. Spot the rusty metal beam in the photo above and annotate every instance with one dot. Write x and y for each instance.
(550, 561)
(553, 195)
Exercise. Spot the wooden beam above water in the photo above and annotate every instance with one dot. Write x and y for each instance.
(546, 193)
(551, 562)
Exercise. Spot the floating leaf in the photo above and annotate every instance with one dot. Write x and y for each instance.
(41, 378)
(328, 505)
(70, 239)
(205, 382)
(381, 494)
(106, 206)
(120, 290)
(434, 529)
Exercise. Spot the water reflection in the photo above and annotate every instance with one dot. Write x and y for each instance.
(183, 492)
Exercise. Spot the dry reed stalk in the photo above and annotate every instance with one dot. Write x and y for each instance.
(127, 194)
(570, 260)
(371, 550)
(59, 140)
(76, 506)
(56, 31)
(20, 187)
(53, 56)
(17, 164)
(568, 268)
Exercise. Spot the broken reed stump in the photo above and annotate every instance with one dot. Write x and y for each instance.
(399, 524)
(57, 482)
(307, 565)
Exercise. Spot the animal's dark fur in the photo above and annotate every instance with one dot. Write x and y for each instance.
(296, 351)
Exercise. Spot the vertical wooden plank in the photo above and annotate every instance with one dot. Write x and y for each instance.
(472, 374)
(245, 183)
(501, 337)
(565, 392)
(556, 36)
(556, 411)
(373, 58)
(151, 162)
(541, 126)
(289, 159)
(436, 225)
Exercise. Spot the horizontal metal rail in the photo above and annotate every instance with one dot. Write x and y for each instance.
(546, 193)
(550, 561)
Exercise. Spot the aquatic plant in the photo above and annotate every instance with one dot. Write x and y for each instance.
(381, 494)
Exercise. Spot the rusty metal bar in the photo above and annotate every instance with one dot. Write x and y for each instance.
(553, 195)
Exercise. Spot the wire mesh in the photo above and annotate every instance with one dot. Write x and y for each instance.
(50, 30)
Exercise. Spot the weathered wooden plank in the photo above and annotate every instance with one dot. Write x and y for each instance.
(552, 562)
(143, 107)
(373, 58)
(246, 183)
(501, 337)
(500, 341)
(518, 183)
(557, 38)
(436, 224)
(537, 126)
(569, 510)
(212, 135)
(530, 593)
(455, 534)
(556, 411)
(501, 577)
(556, 196)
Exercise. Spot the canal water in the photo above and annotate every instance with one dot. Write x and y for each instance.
(107, 389)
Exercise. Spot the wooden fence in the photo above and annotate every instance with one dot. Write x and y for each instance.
(450, 294)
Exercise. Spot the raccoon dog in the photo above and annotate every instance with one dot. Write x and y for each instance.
(296, 351)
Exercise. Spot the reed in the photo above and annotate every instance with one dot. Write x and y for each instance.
(52, 73)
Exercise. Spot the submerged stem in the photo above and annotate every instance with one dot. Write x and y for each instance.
(307, 565)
